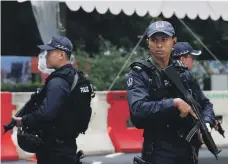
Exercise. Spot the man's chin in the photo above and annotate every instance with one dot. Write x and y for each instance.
(48, 67)
(159, 56)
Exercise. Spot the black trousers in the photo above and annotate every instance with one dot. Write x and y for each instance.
(57, 152)
(168, 151)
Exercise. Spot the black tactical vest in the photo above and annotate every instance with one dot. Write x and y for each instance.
(159, 88)
(76, 117)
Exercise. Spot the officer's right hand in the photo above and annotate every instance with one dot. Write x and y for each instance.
(183, 108)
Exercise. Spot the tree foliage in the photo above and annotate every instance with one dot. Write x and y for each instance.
(106, 65)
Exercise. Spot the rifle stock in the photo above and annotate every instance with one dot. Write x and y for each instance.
(175, 80)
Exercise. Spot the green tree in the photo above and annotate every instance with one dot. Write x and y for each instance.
(106, 65)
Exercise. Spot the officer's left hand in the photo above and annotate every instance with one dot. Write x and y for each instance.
(208, 127)
(200, 135)
(18, 121)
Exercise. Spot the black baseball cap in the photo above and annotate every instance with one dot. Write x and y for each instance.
(160, 27)
(58, 42)
(184, 48)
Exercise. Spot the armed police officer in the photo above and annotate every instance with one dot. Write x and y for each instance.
(155, 108)
(59, 111)
(184, 52)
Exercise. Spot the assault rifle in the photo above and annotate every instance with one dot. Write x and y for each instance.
(29, 107)
(175, 81)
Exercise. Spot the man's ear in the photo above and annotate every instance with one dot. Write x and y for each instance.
(182, 58)
(174, 40)
(147, 41)
(62, 54)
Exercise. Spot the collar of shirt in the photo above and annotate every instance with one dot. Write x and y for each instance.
(156, 64)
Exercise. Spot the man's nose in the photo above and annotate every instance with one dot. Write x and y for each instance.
(159, 45)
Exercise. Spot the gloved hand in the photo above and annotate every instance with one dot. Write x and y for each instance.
(200, 135)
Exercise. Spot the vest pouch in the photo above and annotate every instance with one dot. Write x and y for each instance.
(157, 94)
(28, 140)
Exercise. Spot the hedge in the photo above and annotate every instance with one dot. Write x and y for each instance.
(21, 87)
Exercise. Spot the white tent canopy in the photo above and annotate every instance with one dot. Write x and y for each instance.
(191, 9)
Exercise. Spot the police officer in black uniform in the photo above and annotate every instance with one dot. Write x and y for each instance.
(184, 52)
(154, 106)
(55, 112)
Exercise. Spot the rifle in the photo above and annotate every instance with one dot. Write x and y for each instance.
(175, 80)
(26, 109)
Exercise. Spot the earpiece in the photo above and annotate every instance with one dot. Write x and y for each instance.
(147, 42)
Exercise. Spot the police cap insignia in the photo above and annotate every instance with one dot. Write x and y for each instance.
(160, 25)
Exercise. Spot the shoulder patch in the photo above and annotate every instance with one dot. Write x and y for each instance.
(130, 82)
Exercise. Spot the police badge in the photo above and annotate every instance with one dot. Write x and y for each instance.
(159, 25)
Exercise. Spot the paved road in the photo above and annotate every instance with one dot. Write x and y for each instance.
(119, 158)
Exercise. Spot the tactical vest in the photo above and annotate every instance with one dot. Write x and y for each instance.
(69, 122)
(77, 116)
(159, 89)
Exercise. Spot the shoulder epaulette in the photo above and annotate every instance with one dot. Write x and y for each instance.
(136, 66)
(143, 65)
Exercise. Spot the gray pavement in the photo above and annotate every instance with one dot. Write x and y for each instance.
(205, 158)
